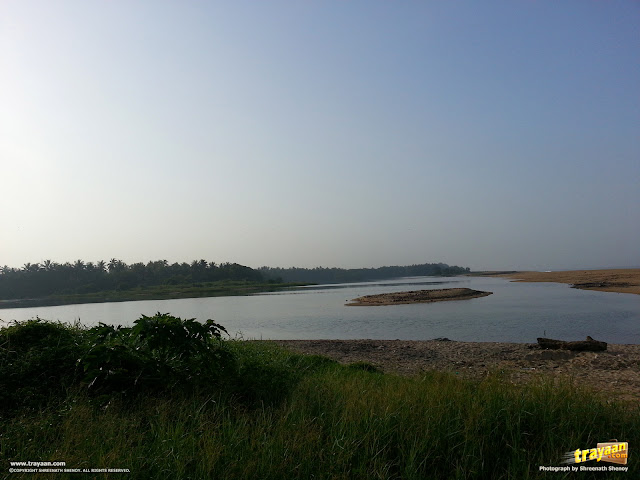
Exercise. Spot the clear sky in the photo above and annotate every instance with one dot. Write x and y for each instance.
(492, 134)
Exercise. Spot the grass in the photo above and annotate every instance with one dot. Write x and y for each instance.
(283, 415)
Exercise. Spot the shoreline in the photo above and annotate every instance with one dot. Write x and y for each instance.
(133, 295)
(622, 280)
(615, 371)
(611, 280)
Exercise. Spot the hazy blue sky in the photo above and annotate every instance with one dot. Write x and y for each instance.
(491, 134)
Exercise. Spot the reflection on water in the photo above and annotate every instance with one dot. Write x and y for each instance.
(516, 312)
(290, 290)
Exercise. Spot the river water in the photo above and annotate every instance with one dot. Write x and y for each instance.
(516, 312)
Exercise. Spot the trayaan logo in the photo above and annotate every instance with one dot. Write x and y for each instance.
(611, 452)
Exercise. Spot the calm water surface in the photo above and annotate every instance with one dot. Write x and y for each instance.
(516, 312)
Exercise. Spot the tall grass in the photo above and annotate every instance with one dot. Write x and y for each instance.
(293, 416)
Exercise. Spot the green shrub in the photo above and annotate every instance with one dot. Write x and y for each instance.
(38, 361)
(158, 353)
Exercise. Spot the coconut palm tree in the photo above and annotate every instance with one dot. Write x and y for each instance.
(48, 265)
(31, 267)
(114, 264)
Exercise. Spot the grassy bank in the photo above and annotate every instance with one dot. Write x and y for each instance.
(157, 292)
(259, 411)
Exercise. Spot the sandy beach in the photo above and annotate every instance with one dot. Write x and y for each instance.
(625, 280)
(615, 371)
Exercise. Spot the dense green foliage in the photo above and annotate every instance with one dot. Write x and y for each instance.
(49, 278)
(162, 354)
(259, 411)
(342, 275)
(38, 361)
(158, 353)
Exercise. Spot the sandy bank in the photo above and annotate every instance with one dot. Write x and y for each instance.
(417, 296)
(615, 371)
(621, 281)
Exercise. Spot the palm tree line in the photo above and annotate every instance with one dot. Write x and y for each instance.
(51, 278)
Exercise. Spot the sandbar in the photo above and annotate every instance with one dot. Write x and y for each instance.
(418, 296)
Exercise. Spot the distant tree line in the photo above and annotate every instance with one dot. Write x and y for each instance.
(35, 280)
(341, 275)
